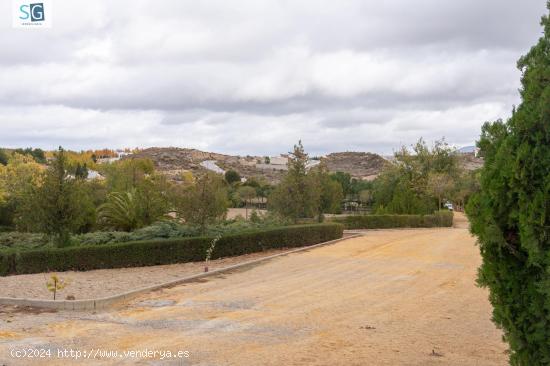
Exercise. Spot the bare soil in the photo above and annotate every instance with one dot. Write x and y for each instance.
(394, 297)
(106, 282)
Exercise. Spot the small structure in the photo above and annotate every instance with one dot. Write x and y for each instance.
(259, 203)
(92, 175)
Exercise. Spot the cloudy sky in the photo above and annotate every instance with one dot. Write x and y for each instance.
(254, 76)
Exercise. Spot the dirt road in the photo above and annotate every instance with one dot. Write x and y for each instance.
(394, 297)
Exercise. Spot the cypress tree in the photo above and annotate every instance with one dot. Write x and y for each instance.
(510, 215)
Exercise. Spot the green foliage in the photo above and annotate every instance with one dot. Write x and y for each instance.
(260, 184)
(297, 196)
(23, 241)
(17, 179)
(350, 186)
(255, 217)
(120, 212)
(344, 179)
(418, 180)
(81, 171)
(393, 194)
(55, 284)
(4, 157)
(124, 175)
(153, 198)
(438, 219)
(57, 207)
(148, 253)
(440, 185)
(331, 193)
(466, 186)
(246, 194)
(366, 196)
(7, 262)
(204, 202)
(37, 154)
(142, 205)
(166, 229)
(231, 176)
(510, 215)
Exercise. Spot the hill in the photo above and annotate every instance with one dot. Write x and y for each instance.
(172, 161)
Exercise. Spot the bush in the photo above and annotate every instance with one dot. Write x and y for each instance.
(510, 215)
(167, 251)
(438, 219)
(18, 240)
(7, 262)
(160, 230)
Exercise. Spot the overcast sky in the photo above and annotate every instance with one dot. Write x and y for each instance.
(253, 76)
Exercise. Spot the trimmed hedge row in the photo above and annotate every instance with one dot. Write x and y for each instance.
(438, 219)
(165, 251)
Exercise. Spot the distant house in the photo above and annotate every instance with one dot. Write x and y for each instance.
(112, 159)
(278, 160)
(469, 150)
(274, 163)
(280, 163)
(92, 175)
(259, 203)
(107, 160)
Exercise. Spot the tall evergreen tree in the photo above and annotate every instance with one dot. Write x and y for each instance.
(511, 213)
(298, 195)
(204, 202)
(4, 158)
(58, 206)
(330, 191)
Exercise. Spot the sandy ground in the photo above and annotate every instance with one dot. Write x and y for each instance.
(106, 282)
(395, 297)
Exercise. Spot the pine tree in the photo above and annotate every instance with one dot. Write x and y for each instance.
(58, 206)
(297, 196)
(511, 213)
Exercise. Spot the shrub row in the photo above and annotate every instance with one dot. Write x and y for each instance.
(438, 219)
(166, 251)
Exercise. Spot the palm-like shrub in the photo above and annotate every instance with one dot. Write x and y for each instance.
(120, 212)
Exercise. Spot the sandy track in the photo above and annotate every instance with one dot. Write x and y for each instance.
(388, 298)
(108, 282)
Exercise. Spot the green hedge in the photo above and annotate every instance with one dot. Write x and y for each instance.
(438, 219)
(166, 251)
(7, 262)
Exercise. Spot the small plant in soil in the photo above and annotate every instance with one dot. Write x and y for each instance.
(55, 284)
(209, 252)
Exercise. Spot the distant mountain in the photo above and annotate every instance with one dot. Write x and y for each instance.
(172, 161)
(467, 150)
(360, 165)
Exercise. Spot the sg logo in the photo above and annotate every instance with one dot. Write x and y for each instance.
(33, 11)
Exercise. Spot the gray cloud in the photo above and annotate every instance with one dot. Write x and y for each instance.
(255, 78)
